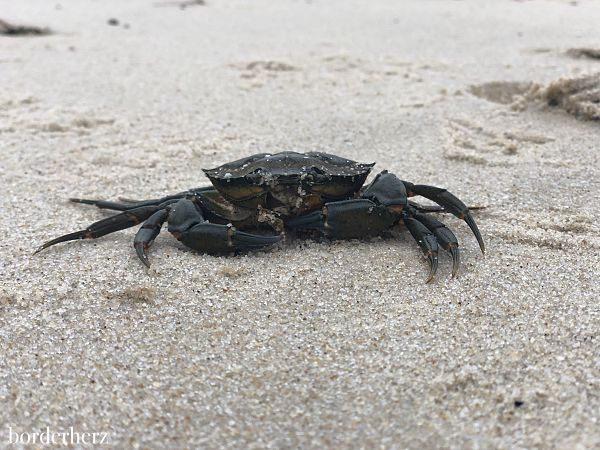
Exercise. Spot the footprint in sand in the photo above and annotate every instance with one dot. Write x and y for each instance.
(471, 143)
(558, 232)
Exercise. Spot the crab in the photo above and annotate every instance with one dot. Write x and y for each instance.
(305, 192)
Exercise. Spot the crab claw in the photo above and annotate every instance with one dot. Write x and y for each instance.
(247, 241)
(188, 225)
(218, 239)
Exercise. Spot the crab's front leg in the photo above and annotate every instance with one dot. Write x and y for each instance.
(189, 226)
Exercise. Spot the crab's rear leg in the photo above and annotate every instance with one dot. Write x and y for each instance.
(103, 227)
(127, 204)
(189, 226)
(104, 204)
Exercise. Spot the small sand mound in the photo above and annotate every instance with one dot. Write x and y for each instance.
(577, 96)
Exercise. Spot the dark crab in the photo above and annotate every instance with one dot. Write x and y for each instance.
(305, 192)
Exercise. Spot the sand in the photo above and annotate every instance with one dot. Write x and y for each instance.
(312, 344)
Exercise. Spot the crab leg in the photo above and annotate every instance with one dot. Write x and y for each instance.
(437, 208)
(111, 224)
(147, 233)
(188, 225)
(104, 204)
(450, 203)
(445, 238)
(128, 204)
(427, 241)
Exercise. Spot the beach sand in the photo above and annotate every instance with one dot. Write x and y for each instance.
(311, 344)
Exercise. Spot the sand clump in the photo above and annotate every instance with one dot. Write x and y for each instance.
(579, 96)
(138, 294)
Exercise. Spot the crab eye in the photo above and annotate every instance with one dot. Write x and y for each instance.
(317, 175)
(256, 175)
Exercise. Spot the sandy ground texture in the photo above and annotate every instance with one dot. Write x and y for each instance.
(312, 344)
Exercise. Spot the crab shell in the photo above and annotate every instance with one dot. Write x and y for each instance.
(290, 183)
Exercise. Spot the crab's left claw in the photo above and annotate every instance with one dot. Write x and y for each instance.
(188, 225)
(218, 239)
(450, 203)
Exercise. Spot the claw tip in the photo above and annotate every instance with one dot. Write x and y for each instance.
(140, 250)
(433, 265)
